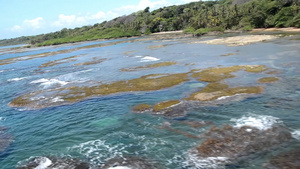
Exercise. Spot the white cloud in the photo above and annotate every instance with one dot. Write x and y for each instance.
(34, 23)
(80, 19)
(16, 28)
(40, 25)
(99, 15)
(28, 24)
(65, 20)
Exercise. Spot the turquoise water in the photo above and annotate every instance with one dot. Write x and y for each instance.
(98, 129)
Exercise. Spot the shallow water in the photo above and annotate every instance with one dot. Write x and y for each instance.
(98, 129)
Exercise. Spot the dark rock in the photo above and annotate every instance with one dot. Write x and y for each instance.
(288, 160)
(238, 143)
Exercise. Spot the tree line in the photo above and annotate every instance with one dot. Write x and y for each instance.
(196, 17)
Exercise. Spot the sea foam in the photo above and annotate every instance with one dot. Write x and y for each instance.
(16, 79)
(119, 167)
(46, 83)
(194, 161)
(261, 122)
(296, 134)
(149, 59)
(44, 162)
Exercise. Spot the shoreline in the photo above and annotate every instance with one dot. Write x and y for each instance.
(175, 35)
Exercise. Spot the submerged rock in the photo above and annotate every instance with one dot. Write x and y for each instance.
(156, 65)
(171, 108)
(130, 162)
(53, 162)
(93, 62)
(221, 73)
(197, 124)
(238, 143)
(268, 80)
(288, 160)
(5, 139)
(157, 46)
(214, 91)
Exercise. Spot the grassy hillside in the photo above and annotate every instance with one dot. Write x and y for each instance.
(197, 18)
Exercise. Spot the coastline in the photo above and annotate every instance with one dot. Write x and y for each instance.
(167, 35)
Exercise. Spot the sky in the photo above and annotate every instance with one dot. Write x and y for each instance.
(33, 17)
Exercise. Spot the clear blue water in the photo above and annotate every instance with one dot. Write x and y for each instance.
(103, 128)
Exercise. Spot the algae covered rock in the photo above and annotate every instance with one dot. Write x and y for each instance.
(268, 80)
(77, 93)
(164, 105)
(221, 73)
(216, 91)
(142, 107)
(155, 65)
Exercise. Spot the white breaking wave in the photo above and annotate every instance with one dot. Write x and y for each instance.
(149, 59)
(16, 79)
(138, 56)
(46, 83)
(223, 97)
(296, 134)
(57, 99)
(261, 122)
(2, 118)
(195, 161)
(44, 162)
(119, 167)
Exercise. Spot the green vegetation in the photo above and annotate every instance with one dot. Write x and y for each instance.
(196, 18)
